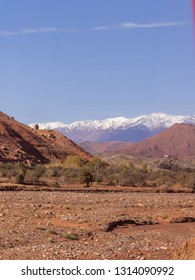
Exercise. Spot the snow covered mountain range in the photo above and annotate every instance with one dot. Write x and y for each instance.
(117, 129)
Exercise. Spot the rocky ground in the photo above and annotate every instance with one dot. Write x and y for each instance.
(94, 225)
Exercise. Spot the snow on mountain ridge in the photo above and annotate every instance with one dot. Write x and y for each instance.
(49, 125)
(155, 120)
(152, 121)
(117, 129)
(103, 124)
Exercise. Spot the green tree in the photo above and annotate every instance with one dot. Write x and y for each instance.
(86, 178)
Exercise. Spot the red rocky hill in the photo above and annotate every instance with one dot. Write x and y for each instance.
(178, 141)
(19, 142)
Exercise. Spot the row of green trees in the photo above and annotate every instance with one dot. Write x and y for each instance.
(75, 169)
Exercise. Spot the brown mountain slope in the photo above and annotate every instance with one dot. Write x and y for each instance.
(19, 142)
(98, 148)
(179, 141)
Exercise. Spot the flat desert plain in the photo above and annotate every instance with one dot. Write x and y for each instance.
(88, 225)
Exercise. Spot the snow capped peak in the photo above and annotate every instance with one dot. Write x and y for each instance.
(100, 124)
(157, 120)
(111, 129)
(150, 121)
(49, 125)
(114, 122)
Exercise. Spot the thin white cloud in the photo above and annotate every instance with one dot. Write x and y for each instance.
(132, 25)
(29, 31)
(5, 33)
(121, 26)
(129, 25)
(100, 28)
(41, 30)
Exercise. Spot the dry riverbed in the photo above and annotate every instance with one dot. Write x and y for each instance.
(100, 225)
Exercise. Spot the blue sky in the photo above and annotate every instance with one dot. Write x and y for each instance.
(71, 60)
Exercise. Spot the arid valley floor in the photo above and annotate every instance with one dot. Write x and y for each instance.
(94, 225)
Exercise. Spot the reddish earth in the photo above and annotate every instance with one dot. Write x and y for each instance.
(19, 142)
(186, 251)
(98, 148)
(104, 225)
(176, 141)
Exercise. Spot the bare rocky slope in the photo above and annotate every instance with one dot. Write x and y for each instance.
(178, 141)
(100, 148)
(19, 142)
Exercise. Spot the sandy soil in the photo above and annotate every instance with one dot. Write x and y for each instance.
(98, 225)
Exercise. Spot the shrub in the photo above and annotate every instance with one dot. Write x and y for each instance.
(51, 240)
(70, 236)
(56, 185)
(52, 231)
(10, 169)
(19, 179)
(191, 181)
(33, 175)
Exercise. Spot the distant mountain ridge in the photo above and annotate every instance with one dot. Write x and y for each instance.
(177, 141)
(118, 129)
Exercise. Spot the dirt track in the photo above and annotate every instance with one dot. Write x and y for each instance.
(41, 225)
